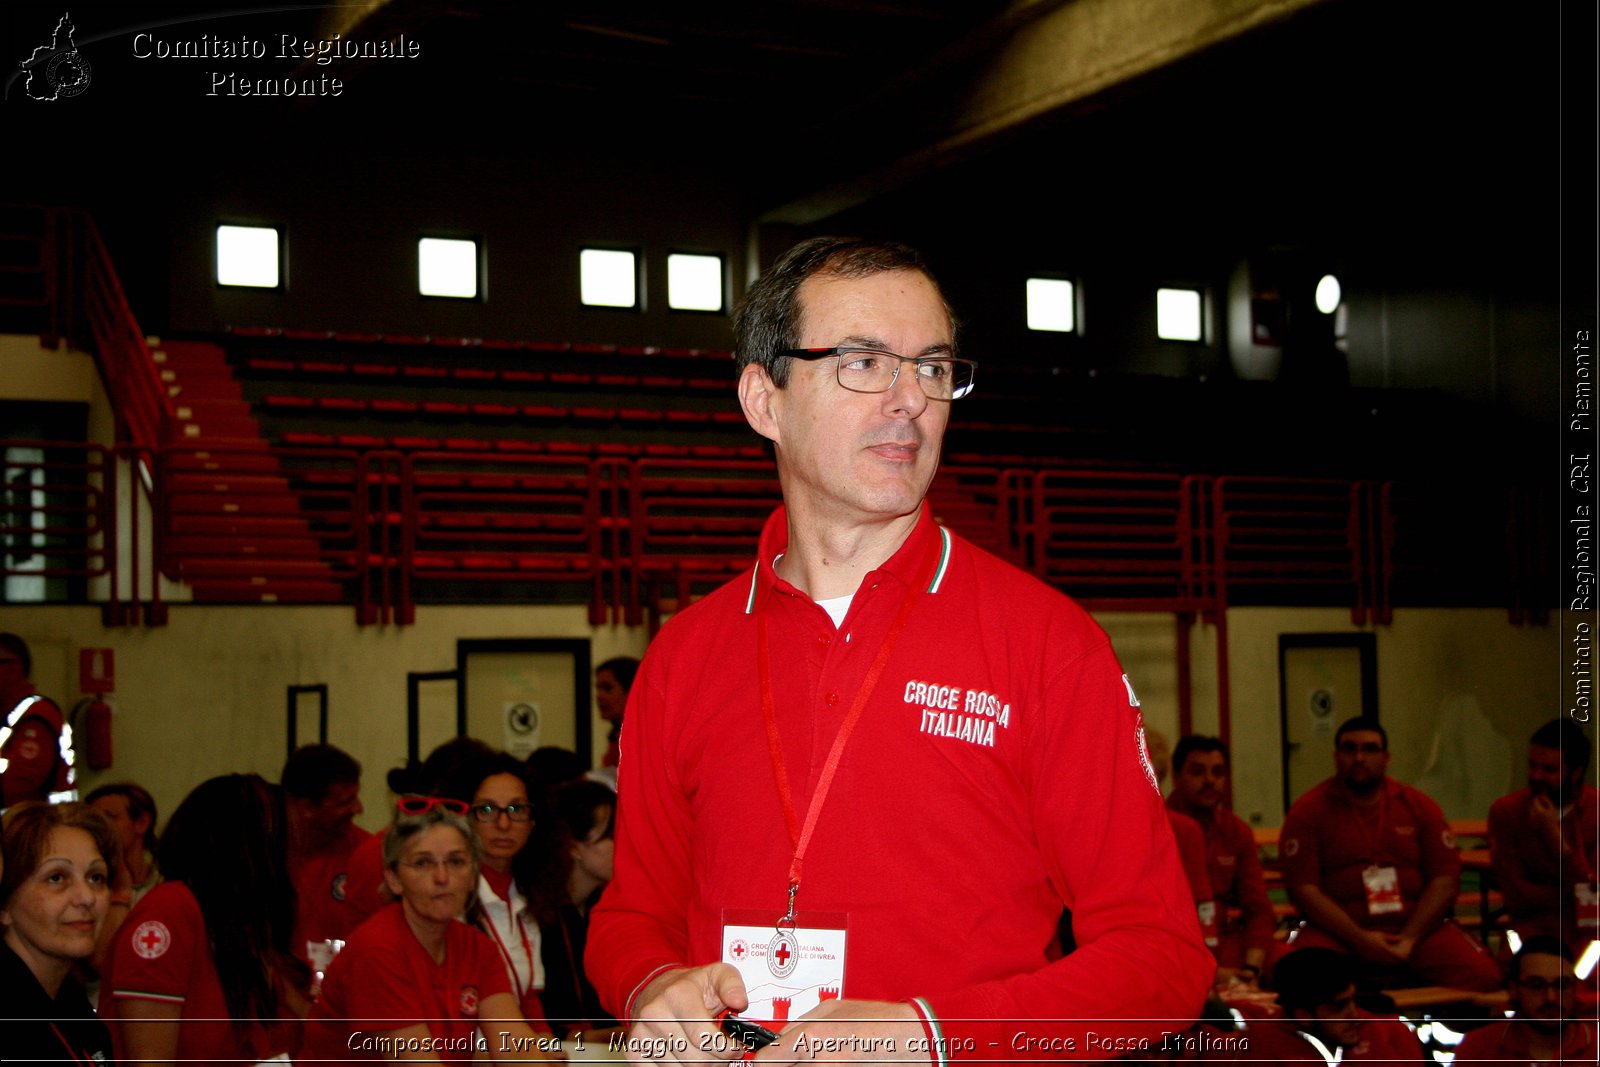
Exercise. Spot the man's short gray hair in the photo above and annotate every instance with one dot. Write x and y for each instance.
(767, 321)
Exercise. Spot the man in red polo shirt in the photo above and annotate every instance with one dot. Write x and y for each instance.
(861, 782)
(1372, 865)
(1545, 1027)
(1245, 918)
(322, 795)
(1543, 840)
(1321, 1024)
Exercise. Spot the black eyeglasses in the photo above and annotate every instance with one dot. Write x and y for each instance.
(872, 370)
(1541, 986)
(490, 812)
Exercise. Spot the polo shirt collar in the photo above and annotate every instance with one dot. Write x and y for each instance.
(921, 563)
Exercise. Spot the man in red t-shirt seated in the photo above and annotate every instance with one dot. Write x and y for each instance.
(322, 795)
(1545, 1028)
(1317, 991)
(1245, 920)
(1372, 865)
(1543, 839)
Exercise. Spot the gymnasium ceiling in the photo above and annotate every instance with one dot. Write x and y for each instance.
(819, 105)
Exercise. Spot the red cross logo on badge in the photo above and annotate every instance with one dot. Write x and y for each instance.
(782, 955)
(152, 939)
(738, 949)
(469, 1000)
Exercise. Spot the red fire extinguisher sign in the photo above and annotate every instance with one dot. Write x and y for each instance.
(97, 671)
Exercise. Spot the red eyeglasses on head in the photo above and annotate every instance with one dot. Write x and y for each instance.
(417, 804)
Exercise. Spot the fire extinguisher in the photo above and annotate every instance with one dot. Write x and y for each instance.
(91, 722)
(91, 716)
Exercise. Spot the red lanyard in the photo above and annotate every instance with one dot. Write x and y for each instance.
(1374, 843)
(505, 951)
(72, 1050)
(799, 835)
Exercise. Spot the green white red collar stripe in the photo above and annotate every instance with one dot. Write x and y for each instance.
(144, 994)
(933, 583)
(944, 561)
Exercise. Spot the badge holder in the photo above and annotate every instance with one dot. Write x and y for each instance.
(1383, 890)
(790, 968)
(1587, 905)
(1207, 911)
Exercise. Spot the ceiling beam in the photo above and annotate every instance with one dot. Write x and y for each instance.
(1036, 59)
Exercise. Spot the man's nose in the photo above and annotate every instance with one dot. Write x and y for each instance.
(906, 393)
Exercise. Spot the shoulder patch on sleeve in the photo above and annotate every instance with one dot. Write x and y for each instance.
(1144, 748)
(152, 939)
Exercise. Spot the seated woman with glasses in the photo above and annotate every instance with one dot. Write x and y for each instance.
(414, 960)
(518, 878)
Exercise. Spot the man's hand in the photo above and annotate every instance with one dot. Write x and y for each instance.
(1375, 947)
(1236, 980)
(850, 1030)
(675, 1013)
(1544, 814)
(1401, 945)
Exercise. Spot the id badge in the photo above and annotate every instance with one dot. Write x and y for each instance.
(1588, 905)
(1207, 910)
(320, 955)
(1383, 890)
(786, 972)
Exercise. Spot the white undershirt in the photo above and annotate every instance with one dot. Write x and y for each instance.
(836, 608)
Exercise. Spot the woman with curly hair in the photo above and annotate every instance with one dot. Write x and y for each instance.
(518, 878)
(211, 943)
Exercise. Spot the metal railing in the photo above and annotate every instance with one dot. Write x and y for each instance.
(381, 529)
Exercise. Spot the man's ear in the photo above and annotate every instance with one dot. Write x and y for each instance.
(756, 396)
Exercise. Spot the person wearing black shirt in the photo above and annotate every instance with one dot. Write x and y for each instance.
(54, 893)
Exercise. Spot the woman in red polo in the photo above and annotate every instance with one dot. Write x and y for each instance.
(200, 972)
(414, 980)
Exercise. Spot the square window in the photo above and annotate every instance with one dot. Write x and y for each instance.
(248, 256)
(1178, 315)
(447, 267)
(608, 278)
(694, 283)
(1050, 305)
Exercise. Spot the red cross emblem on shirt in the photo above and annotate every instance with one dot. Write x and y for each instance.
(152, 939)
